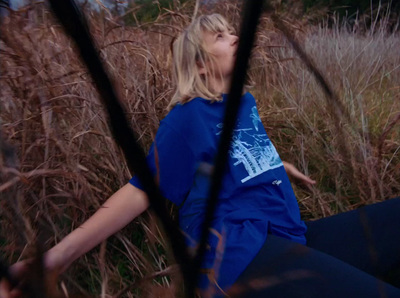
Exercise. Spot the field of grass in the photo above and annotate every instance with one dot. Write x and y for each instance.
(58, 162)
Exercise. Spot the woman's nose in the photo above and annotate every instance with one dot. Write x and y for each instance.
(235, 39)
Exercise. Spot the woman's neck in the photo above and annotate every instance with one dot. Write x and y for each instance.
(220, 85)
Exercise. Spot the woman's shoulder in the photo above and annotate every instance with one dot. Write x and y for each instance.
(192, 117)
(195, 102)
(190, 110)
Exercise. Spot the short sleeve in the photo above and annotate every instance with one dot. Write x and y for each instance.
(172, 163)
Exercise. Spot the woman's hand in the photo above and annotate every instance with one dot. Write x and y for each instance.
(296, 175)
(21, 273)
(17, 283)
(5, 290)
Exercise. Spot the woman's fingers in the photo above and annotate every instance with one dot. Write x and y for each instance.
(5, 289)
(7, 292)
(294, 173)
(19, 269)
(305, 179)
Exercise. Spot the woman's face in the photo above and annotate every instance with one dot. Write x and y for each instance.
(222, 46)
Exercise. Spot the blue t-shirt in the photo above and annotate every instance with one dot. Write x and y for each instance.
(256, 196)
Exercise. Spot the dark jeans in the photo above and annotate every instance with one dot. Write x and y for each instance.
(347, 255)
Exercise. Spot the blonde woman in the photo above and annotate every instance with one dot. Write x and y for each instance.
(257, 231)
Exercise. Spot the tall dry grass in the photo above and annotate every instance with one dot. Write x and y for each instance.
(59, 163)
(363, 70)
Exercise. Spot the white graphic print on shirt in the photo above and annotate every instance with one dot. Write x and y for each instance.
(254, 151)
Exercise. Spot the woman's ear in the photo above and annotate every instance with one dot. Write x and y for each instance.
(201, 68)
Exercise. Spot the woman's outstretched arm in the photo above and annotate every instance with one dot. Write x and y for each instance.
(120, 209)
(295, 174)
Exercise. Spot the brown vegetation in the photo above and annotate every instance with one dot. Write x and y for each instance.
(58, 162)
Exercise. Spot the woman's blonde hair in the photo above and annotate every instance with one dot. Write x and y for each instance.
(189, 53)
